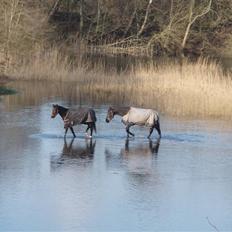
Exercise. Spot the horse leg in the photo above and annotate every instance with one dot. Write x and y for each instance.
(87, 128)
(151, 130)
(66, 130)
(73, 132)
(157, 127)
(128, 129)
(91, 130)
(90, 126)
(86, 131)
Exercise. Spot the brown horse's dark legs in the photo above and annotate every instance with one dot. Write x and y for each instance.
(73, 132)
(87, 128)
(91, 126)
(91, 130)
(128, 129)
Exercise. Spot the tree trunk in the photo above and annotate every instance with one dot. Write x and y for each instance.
(191, 22)
(98, 15)
(145, 18)
(81, 18)
(188, 27)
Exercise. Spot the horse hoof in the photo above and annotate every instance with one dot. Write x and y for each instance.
(88, 136)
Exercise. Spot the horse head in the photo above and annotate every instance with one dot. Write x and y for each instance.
(55, 110)
(110, 114)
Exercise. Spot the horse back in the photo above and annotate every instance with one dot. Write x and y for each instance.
(79, 116)
(141, 116)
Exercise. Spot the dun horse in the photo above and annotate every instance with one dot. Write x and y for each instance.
(136, 116)
(72, 117)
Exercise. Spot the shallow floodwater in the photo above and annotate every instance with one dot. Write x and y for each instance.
(182, 182)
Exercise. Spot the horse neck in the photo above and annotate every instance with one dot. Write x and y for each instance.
(62, 111)
(121, 111)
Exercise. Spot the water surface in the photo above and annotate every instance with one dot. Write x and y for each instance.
(109, 183)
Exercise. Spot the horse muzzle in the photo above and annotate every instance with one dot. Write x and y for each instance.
(107, 120)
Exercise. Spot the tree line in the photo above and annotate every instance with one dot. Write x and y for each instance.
(163, 27)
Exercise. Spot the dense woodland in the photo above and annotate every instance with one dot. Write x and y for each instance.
(159, 27)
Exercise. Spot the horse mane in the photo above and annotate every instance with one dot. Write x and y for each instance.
(61, 110)
(121, 110)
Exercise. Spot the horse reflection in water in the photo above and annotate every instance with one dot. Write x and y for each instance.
(75, 153)
(138, 159)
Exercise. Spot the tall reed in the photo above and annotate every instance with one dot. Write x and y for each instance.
(198, 89)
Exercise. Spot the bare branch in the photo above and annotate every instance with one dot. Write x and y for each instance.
(191, 21)
(54, 8)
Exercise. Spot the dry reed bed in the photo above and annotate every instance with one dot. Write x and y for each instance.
(197, 89)
(193, 89)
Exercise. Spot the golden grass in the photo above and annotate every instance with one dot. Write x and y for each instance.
(197, 89)
(193, 89)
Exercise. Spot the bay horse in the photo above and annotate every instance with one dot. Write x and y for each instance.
(72, 117)
(135, 116)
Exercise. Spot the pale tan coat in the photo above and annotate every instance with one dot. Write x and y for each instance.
(142, 117)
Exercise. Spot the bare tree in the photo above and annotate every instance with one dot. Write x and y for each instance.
(145, 18)
(192, 20)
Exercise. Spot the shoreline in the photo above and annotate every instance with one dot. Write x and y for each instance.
(199, 89)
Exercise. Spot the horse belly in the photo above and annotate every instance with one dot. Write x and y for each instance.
(131, 118)
(73, 118)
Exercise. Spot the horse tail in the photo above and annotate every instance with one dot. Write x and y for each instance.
(93, 115)
(94, 119)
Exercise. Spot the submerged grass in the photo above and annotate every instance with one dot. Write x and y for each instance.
(198, 89)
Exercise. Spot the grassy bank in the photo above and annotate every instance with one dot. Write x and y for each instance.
(197, 89)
